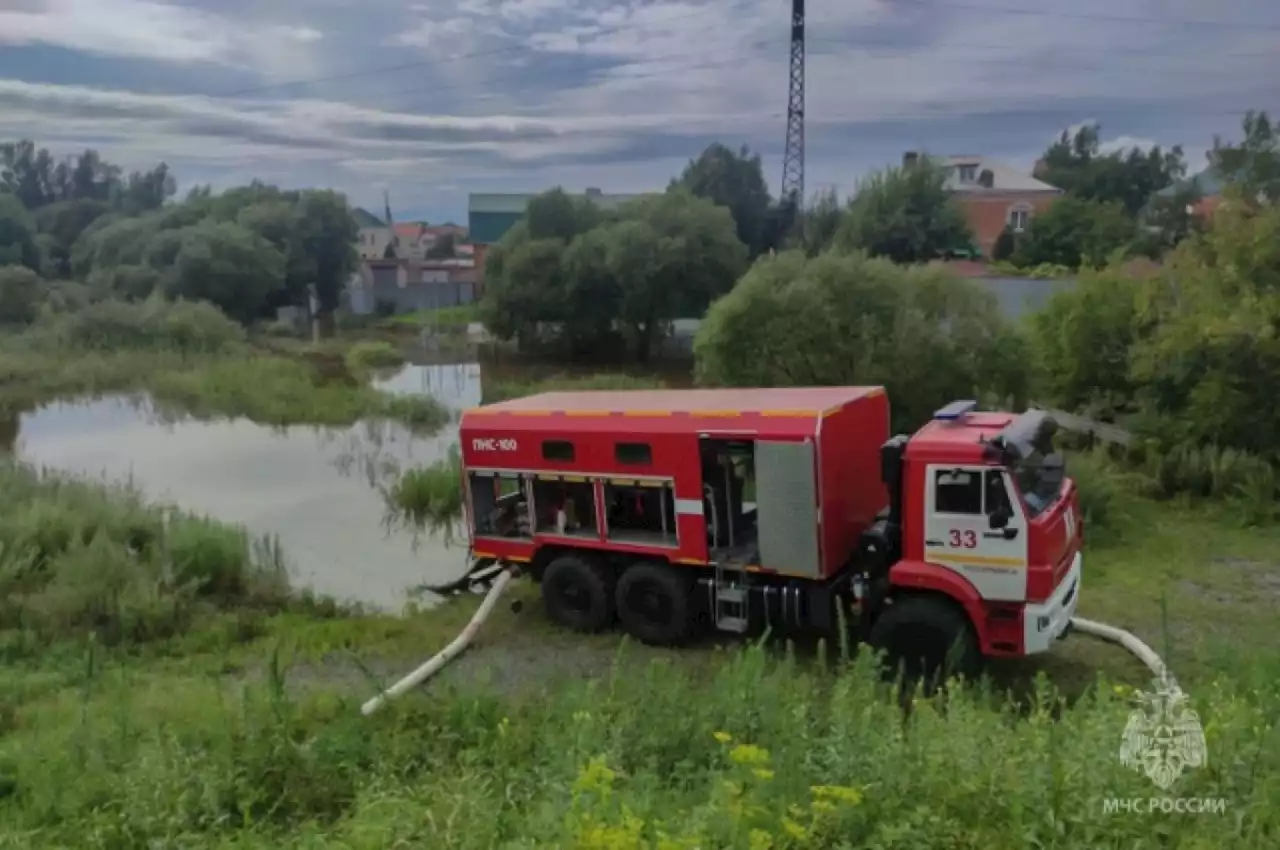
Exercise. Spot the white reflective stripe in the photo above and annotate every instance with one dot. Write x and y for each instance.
(689, 507)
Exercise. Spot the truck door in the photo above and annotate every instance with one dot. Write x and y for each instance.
(960, 534)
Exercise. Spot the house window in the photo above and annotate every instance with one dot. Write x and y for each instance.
(561, 450)
(1019, 218)
(967, 173)
(633, 454)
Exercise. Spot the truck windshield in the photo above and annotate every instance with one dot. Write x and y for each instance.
(1040, 479)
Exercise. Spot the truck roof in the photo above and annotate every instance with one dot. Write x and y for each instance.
(672, 410)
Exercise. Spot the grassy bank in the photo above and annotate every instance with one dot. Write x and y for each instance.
(166, 689)
(191, 358)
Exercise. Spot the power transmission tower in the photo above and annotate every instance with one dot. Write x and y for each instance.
(793, 157)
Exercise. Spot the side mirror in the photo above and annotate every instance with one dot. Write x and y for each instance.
(999, 519)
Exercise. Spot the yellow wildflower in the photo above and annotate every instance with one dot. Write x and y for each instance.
(749, 754)
(723, 737)
(839, 793)
(794, 830)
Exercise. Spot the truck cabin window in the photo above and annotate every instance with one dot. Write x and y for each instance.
(966, 491)
(498, 505)
(565, 508)
(1040, 480)
(641, 512)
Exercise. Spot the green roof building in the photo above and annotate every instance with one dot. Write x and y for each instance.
(490, 216)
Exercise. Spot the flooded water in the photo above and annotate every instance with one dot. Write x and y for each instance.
(306, 485)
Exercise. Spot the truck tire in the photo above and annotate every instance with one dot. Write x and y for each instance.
(925, 639)
(578, 594)
(654, 603)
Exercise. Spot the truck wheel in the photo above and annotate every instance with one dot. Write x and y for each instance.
(578, 594)
(654, 603)
(925, 638)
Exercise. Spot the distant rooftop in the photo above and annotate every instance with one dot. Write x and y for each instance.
(364, 218)
(505, 202)
(1207, 183)
(1004, 178)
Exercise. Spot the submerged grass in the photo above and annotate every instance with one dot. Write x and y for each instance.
(163, 689)
(191, 357)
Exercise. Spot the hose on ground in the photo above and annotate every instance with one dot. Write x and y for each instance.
(1129, 641)
(436, 663)
(440, 659)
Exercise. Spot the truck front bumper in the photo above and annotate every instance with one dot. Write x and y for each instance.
(1043, 623)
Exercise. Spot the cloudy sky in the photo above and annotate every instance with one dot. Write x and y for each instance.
(433, 99)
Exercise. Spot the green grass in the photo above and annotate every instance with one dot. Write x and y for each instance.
(458, 316)
(191, 359)
(179, 696)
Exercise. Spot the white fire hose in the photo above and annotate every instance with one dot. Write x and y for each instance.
(437, 662)
(1110, 634)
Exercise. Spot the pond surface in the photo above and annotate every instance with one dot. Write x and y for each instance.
(309, 486)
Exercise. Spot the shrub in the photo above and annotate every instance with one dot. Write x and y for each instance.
(77, 557)
(374, 354)
(189, 327)
(21, 291)
(927, 336)
(1006, 242)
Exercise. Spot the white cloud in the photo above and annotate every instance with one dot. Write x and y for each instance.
(150, 29)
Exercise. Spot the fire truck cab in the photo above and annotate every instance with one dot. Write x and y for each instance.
(778, 508)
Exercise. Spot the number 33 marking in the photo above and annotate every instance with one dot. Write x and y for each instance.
(964, 539)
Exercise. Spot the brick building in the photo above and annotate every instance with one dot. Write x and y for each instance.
(992, 195)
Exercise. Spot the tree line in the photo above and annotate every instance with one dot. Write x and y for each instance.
(82, 225)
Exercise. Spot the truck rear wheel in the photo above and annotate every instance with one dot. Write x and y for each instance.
(578, 594)
(654, 603)
(925, 639)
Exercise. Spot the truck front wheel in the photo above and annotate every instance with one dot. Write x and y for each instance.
(578, 594)
(925, 639)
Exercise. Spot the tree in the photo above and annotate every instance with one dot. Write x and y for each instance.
(228, 266)
(21, 291)
(578, 274)
(524, 285)
(840, 319)
(905, 214)
(64, 222)
(1006, 244)
(1074, 232)
(672, 254)
(1128, 177)
(820, 223)
(17, 235)
(1253, 165)
(735, 181)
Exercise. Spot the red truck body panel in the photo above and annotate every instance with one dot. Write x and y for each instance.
(846, 425)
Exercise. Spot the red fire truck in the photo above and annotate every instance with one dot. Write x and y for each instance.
(776, 508)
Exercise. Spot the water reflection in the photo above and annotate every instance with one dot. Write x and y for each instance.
(296, 482)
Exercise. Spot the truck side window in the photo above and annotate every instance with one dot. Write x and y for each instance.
(957, 491)
(561, 450)
(997, 495)
(633, 454)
